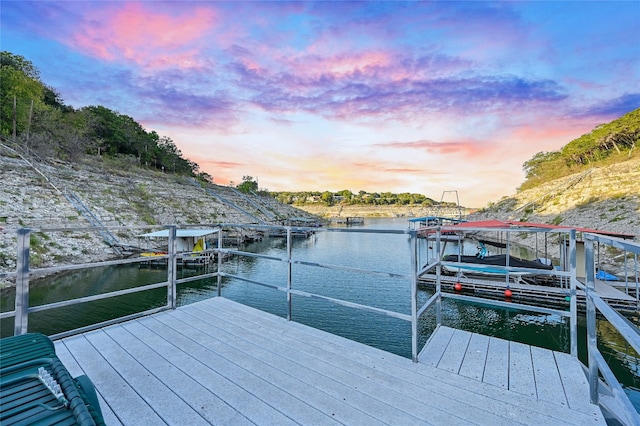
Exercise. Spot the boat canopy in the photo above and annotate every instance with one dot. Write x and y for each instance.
(530, 225)
(181, 233)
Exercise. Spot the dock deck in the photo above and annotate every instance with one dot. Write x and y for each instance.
(528, 370)
(220, 362)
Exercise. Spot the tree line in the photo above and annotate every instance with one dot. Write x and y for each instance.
(34, 117)
(606, 144)
(346, 197)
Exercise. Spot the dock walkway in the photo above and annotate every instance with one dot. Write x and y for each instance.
(220, 362)
(539, 373)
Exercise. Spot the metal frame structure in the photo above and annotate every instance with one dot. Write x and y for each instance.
(608, 393)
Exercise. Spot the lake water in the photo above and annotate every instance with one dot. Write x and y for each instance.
(379, 252)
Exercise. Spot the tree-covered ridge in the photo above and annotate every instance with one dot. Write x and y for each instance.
(34, 117)
(347, 197)
(606, 144)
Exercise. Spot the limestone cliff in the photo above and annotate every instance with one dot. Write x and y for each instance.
(46, 194)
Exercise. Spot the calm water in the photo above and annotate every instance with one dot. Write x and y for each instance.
(380, 252)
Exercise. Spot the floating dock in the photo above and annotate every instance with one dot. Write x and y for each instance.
(351, 220)
(220, 362)
(549, 295)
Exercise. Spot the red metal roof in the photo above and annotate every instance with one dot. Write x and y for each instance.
(516, 224)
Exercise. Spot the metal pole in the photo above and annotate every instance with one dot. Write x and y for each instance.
(592, 337)
(289, 274)
(438, 283)
(635, 261)
(626, 273)
(171, 269)
(507, 258)
(22, 282)
(414, 295)
(573, 303)
(219, 277)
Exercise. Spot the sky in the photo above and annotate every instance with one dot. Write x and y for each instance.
(419, 97)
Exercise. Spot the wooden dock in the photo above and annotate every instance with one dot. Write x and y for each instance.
(528, 370)
(350, 220)
(219, 362)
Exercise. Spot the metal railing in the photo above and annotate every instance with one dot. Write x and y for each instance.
(607, 392)
(437, 264)
(23, 273)
(597, 364)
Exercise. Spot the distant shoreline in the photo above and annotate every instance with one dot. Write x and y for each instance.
(364, 210)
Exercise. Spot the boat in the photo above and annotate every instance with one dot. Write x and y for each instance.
(492, 265)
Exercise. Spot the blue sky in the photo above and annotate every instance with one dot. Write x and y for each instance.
(376, 96)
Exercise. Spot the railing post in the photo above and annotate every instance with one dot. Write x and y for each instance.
(22, 282)
(414, 295)
(507, 257)
(573, 303)
(171, 269)
(438, 282)
(635, 274)
(289, 273)
(592, 336)
(219, 277)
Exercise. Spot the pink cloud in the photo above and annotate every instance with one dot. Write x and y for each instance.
(466, 148)
(144, 36)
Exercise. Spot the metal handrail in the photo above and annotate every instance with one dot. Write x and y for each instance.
(23, 272)
(597, 364)
(621, 407)
(439, 294)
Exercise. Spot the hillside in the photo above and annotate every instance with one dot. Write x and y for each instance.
(606, 198)
(607, 144)
(118, 193)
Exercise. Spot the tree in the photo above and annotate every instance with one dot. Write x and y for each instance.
(327, 198)
(19, 83)
(248, 185)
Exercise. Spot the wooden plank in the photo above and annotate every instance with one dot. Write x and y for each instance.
(162, 399)
(548, 383)
(272, 371)
(318, 389)
(454, 354)
(574, 382)
(75, 370)
(475, 358)
(198, 363)
(476, 396)
(422, 401)
(202, 401)
(521, 378)
(122, 398)
(496, 369)
(436, 345)
(252, 376)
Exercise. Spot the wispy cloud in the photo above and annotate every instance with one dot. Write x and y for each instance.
(395, 96)
(138, 33)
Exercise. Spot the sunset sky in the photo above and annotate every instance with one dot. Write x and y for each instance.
(377, 96)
